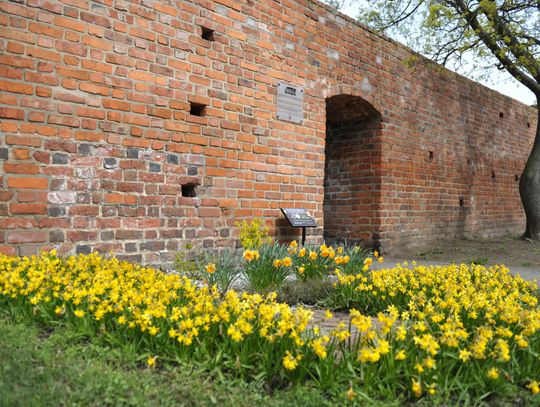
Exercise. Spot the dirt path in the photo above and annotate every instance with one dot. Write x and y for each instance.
(510, 252)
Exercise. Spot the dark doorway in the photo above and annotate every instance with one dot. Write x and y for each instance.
(351, 177)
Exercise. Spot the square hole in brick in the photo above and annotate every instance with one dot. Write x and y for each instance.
(207, 34)
(189, 190)
(197, 109)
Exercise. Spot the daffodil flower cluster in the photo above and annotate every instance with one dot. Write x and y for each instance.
(173, 315)
(485, 318)
(422, 329)
(305, 263)
(268, 267)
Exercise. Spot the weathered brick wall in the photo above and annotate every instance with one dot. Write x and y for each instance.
(113, 113)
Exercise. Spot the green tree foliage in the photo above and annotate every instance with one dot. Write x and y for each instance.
(338, 4)
(474, 36)
(503, 34)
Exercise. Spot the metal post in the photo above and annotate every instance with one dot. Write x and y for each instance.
(303, 236)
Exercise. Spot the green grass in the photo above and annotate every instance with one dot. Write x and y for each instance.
(59, 368)
(44, 367)
(427, 254)
(480, 261)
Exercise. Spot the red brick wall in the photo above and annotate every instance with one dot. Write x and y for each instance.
(97, 139)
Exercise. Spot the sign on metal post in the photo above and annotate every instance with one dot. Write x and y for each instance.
(290, 103)
(300, 218)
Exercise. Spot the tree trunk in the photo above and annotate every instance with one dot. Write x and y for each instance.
(529, 189)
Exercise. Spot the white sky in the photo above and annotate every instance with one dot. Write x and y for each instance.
(503, 83)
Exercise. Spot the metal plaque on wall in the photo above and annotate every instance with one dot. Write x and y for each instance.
(290, 103)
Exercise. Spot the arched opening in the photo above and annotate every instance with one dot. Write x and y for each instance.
(352, 173)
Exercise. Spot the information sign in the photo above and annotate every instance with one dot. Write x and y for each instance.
(299, 218)
(290, 103)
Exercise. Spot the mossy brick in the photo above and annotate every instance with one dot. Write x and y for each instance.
(154, 167)
(86, 149)
(60, 158)
(132, 153)
(57, 211)
(56, 236)
(83, 249)
(172, 158)
(110, 163)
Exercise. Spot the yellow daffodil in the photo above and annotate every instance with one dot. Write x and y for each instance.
(464, 355)
(319, 348)
(350, 394)
(250, 255)
(290, 362)
(151, 361)
(429, 362)
(417, 388)
(367, 354)
(493, 373)
(534, 387)
(401, 355)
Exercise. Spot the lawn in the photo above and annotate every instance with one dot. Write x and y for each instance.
(44, 367)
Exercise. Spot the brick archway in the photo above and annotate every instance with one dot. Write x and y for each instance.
(365, 91)
(351, 182)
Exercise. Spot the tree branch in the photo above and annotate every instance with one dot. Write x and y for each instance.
(404, 15)
(531, 38)
(513, 44)
(492, 45)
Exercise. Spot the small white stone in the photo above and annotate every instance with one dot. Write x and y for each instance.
(366, 87)
(62, 197)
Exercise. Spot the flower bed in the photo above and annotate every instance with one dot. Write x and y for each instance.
(441, 331)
